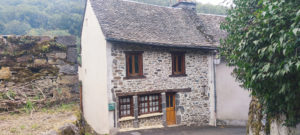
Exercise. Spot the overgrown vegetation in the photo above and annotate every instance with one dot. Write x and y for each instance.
(263, 45)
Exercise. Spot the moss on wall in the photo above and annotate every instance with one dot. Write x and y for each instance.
(32, 68)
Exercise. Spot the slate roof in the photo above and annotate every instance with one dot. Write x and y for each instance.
(135, 22)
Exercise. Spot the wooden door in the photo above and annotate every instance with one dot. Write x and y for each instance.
(170, 108)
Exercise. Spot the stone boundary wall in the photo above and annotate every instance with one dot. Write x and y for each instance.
(37, 71)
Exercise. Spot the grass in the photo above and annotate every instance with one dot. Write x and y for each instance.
(35, 126)
(22, 127)
(41, 120)
(61, 108)
(14, 130)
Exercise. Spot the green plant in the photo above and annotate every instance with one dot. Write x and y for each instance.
(14, 130)
(35, 126)
(45, 48)
(59, 90)
(263, 46)
(87, 133)
(22, 127)
(10, 94)
(29, 106)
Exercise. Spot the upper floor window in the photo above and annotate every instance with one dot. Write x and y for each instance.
(134, 64)
(178, 63)
(126, 106)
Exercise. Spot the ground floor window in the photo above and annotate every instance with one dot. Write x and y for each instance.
(126, 106)
(149, 103)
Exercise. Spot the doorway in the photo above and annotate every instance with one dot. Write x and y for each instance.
(170, 108)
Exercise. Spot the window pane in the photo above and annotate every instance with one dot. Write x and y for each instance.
(130, 64)
(151, 109)
(168, 103)
(174, 64)
(179, 63)
(171, 101)
(136, 63)
(128, 112)
(146, 109)
(128, 106)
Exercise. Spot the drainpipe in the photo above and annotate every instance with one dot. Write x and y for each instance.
(215, 87)
(214, 81)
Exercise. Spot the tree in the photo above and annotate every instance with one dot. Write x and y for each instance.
(16, 27)
(2, 27)
(263, 44)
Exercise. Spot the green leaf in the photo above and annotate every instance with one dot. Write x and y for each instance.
(295, 31)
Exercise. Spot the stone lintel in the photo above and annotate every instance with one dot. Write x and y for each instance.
(153, 92)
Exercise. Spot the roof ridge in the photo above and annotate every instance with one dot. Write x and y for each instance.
(211, 14)
(148, 4)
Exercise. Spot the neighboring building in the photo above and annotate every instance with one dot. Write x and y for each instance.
(148, 66)
(232, 101)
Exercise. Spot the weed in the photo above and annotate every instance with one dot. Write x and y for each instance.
(35, 126)
(9, 94)
(29, 106)
(37, 96)
(1, 95)
(87, 133)
(22, 127)
(13, 130)
(59, 90)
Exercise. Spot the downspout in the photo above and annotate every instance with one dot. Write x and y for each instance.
(215, 88)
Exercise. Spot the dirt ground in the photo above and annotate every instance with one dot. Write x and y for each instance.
(38, 122)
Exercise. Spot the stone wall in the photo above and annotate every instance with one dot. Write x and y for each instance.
(39, 70)
(150, 121)
(260, 124)
(192, 108)
(126, 124)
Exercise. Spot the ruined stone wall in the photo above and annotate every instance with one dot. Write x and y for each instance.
(192, 108)
(39, 70)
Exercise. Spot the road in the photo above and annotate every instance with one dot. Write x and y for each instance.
(182, 130)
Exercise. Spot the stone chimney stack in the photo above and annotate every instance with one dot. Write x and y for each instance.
(185, 4)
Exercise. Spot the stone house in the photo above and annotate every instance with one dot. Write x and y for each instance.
(148, 66)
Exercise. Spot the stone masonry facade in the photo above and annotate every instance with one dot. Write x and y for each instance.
(41, 70)
(192, 107)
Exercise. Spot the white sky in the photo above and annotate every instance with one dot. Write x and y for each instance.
(216, 2)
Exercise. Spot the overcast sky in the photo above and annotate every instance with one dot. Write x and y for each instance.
(216, 2)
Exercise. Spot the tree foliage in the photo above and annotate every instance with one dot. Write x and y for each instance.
(39, 17)
(263, 45)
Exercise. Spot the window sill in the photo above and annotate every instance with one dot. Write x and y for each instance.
(150, 115)
(134, 77)
(126, 118)
(181, 75)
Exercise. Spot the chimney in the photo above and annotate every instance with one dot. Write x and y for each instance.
(185, 4)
